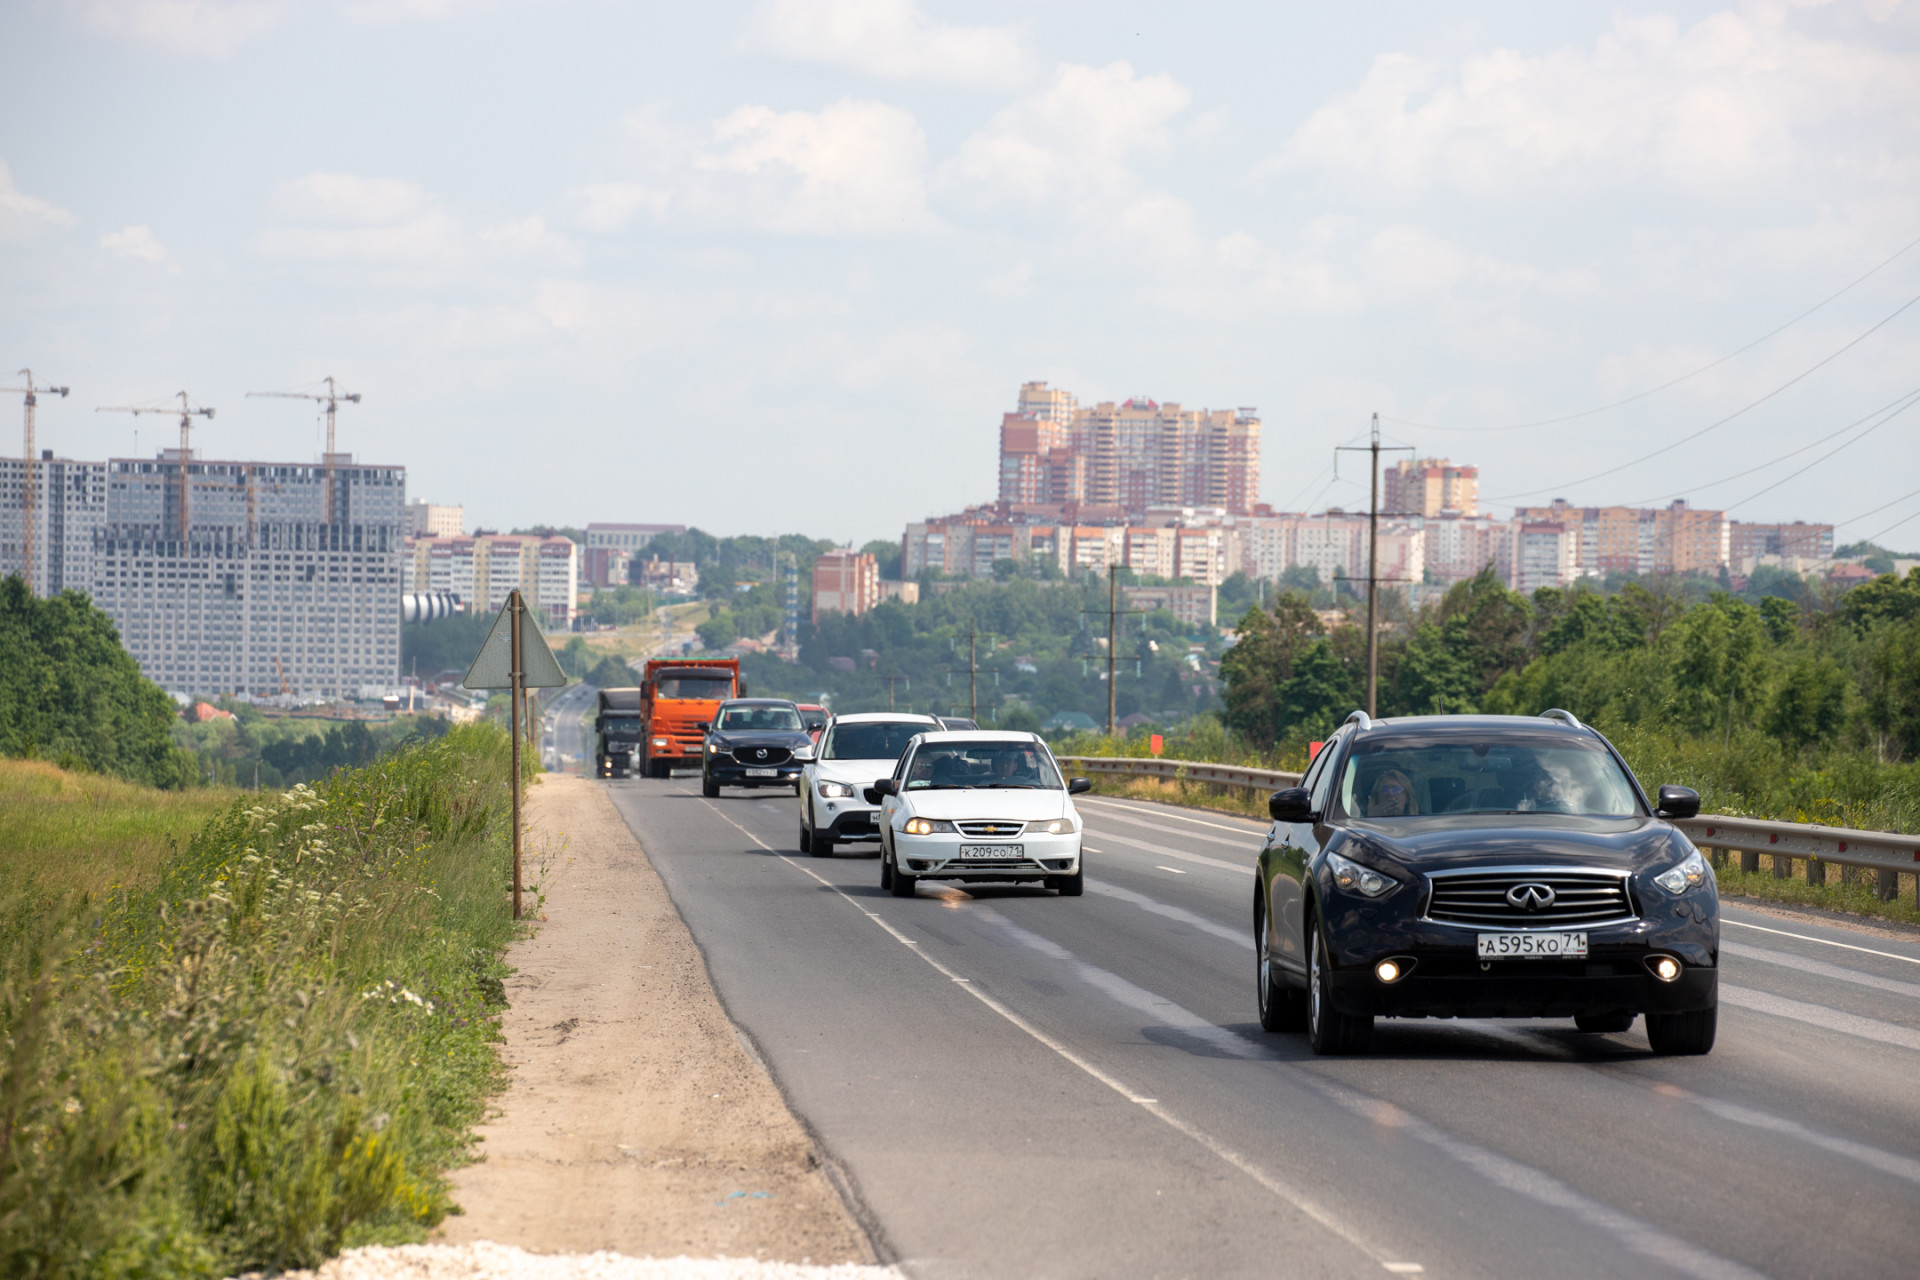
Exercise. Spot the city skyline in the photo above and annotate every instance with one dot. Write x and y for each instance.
(832, 232)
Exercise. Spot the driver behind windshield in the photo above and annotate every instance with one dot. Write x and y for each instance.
(1391, 796)
(1015, 769)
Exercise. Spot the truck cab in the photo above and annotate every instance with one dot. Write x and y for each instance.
(678, 700)
(617, 732)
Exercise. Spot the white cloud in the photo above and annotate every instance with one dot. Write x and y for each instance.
(1736, 96)
(350, 198)
(891, 39)
(853, 168)
(389, 222)
(203, 28)
(609, 206)
(135, 242)
(528, 238)
(22, 215)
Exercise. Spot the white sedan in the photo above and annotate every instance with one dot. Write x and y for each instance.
(854, 750)
(979, 806)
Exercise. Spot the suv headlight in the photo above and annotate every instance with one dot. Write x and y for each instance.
(1690, 872)
(831, 790)
(1354, 878)
(1059, 827)
(927, 827)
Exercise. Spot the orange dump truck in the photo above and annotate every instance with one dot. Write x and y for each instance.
(678, 699)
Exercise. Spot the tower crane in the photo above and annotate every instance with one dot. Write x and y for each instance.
(331, 398)
(187, 413)
(29, 473)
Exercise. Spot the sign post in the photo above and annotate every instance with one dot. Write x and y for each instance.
(515, 657)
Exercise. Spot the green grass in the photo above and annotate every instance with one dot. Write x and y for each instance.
(89, 833)
(273, 1046)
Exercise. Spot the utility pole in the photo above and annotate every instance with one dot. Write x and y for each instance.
(29, 473)
(187, 414)
(1113, 611)
(973, 676)
(330, 398)
(1373, 447)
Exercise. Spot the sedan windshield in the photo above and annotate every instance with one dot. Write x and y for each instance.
(759, 720)
(940, 765)
(871, 739)
(1385, 780)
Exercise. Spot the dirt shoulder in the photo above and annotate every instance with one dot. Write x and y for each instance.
(636, 1121)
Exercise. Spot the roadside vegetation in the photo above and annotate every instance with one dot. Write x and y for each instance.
(262, 1044)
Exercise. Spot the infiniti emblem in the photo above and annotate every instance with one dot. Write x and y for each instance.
(1530, 897)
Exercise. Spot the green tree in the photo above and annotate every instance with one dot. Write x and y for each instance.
(1495, 625)
(1319, 693)
(1781, 616)
(1717, 654)
(1259, 665)
(1434, 675)
(69, 691)
(1810, 703)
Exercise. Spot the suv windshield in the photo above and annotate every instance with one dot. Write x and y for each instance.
(982, 764)
(1383, 779)
(871, 740)
(761, 719)
(690, 687)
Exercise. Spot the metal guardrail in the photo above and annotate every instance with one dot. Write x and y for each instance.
(1882, 851)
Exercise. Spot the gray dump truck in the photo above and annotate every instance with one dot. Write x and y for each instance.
(617, 733)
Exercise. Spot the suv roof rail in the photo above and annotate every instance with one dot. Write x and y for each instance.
(1360, 718)
(1566, 717)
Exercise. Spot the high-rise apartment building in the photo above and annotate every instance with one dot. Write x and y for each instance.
(249, 587)
(612, 548)
(845, 581)
(1128, 456)
(484, 568)
(70, 502)
(1644, 540)
(1428, 486)
(1748, 542)
(434, 520)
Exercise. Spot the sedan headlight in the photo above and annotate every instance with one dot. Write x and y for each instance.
(1354, 878)
(833, 790)
(1689, 873)
(927, 827)
(1059, 827)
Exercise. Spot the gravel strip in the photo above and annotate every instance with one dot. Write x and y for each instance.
(487, 1261)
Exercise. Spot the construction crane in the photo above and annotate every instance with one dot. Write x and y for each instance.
(331, 398)
(29, 472)
(187, 414)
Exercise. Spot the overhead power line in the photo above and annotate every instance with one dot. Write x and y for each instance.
(1846, 444)
(1877, 510)
(1705, 368)
(1892, 409)
(1721, 422)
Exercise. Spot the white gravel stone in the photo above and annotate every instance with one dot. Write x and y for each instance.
(486, 1261)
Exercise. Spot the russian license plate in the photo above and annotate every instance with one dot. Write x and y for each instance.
(763, 773)
(1532, 946)
(993, 851)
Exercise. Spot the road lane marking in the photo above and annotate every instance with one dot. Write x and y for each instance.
(1117, 806)
(1788, 960)
(1873, 1157)
(1512, 1175)
(1107, 837)
(1193, 919)
(1177, 871)
(1818, 1015)
(1300, 1202)
(1804, 937)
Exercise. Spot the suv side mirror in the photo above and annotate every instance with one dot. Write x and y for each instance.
(1291, 804)
(704, 726)
(1678, 802)
(1079, 787)
(883, 787)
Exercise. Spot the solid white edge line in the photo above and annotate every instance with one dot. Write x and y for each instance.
(1198, 822)
(1823, 941)
(1151, 1105)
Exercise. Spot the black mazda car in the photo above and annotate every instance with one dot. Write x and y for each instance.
(754, 742)
(1483, 867)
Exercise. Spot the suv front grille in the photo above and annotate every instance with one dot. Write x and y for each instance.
(1499, 898)
(991, 830)
(762, 755)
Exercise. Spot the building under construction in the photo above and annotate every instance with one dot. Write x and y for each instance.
(234, 577)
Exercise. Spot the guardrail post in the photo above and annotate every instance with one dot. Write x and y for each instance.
(1749, 861)
(1888, 886)
(1816, 872)
(1782, 866)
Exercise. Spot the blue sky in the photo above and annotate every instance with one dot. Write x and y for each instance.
(780, 266)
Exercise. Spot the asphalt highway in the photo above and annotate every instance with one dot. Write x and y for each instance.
(1016, 1084)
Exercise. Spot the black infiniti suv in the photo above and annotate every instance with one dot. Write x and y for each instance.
(1483, 867)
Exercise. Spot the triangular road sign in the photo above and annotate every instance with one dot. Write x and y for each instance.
(493, 668)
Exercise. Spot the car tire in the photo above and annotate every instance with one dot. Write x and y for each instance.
(1072, 886)
(1328, 1030)
(902, 884)
(708, 787)
(1681, 1034)
(822, 847)
(1282, 1008)
(1603, 1023)
(806, 840)
(886, 869)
